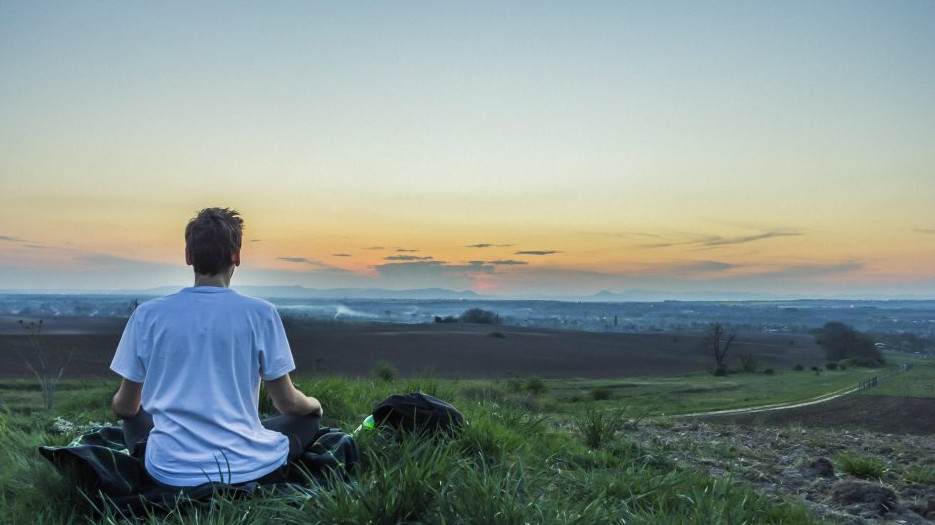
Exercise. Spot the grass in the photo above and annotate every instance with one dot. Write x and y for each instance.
(673, 395)
(860, 466)
(919, 381)
(599, 426)
(920, 474)
(517, 462)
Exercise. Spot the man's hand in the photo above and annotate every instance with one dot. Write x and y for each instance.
(288, 400)
(126, 401)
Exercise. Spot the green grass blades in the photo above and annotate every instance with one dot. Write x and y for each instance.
(860, 466)
(522, 458)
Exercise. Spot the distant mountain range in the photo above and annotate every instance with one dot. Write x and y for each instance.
(301, 292)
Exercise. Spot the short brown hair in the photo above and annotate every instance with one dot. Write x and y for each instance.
(211, 239)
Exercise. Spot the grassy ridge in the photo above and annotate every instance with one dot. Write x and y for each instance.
(917, 382)
(524, 458)
(701, 392)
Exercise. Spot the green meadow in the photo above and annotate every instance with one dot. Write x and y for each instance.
(535, 451)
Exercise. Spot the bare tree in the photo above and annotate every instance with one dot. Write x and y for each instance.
(46, 365)
(717, 343)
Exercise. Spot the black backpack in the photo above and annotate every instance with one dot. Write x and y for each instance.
(417, 412)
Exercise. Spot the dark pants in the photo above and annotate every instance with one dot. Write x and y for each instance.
(301, 431)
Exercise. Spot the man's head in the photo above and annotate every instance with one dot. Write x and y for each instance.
(213, 239)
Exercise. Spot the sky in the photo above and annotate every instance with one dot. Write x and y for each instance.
(515, 149)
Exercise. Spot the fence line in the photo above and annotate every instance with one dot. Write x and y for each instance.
(866, 384)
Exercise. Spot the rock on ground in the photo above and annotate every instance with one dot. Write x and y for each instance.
(801, 465)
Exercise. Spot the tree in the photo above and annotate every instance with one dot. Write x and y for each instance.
(480, 316)
(841, 341)
(717, 342)
(46, 365)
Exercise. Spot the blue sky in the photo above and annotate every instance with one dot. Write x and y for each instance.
(743, 146)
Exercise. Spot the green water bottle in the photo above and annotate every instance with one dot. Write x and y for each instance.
(368, 424)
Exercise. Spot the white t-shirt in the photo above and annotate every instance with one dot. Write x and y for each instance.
(200, 354)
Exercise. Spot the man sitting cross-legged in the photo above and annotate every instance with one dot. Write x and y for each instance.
(192, 363)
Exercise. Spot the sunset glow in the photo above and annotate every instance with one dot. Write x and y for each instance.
(517, 148)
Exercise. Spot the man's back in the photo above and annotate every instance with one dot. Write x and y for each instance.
(200, 354)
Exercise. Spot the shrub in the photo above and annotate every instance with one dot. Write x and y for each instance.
(798, 367)
(831, 365)
(384, 371)
(860, 466)
(497, 335)
(601, 393)
(514, 384)
(535, 385)
(721, 371)
(768, 371)
(480, 316)
(866, 362)
(599, 426)
(748, 362)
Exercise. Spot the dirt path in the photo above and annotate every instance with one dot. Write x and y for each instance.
(776, 406)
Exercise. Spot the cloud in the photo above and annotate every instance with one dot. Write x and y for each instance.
(301, 260)
(407, 258)
(797, 271)
(431, 274)
(374, 248)
(710, 241)
(722, 241)
(507, 262)
(537, 252)
(9, 238)
(340, 255)
(488, 245)
(706, 267)
(439, 265)
(405, 250)
(927, 231)
(500, 262)
(318, 265)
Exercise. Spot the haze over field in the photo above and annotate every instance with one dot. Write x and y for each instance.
(507, 148)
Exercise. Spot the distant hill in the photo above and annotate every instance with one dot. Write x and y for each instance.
(300, 292)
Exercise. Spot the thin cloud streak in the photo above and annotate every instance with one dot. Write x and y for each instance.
(722, 241)
(318, 265)
(507, 262)
(537, 252)
(501, 262)
(711, 241)
(488, 245)
(303, 260)
(407, 258)
(797, 271)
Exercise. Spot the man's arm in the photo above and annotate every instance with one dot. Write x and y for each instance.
(288, 400)
(127, 400)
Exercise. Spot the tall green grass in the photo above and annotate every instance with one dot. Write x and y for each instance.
(518, 461)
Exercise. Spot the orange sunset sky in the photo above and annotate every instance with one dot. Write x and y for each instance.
(509, 148)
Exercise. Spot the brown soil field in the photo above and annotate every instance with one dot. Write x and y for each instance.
(882, 414)
(443, 350)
